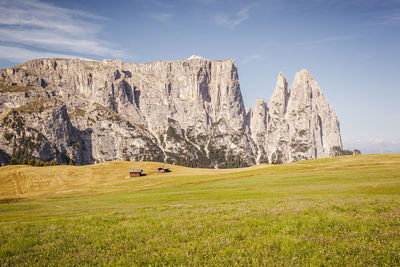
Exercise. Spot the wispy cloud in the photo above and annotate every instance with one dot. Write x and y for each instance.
(34, 26)
(225, 20)
(162, 17)
(357, 3)
(253, 57)
(391, 18)
(205, 2)
(156, 3)
(16, 54)
(372, 3)
(324, 40)
(374, 145)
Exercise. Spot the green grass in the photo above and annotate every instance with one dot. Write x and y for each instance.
(339, 211)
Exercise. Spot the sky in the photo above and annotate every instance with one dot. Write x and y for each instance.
(351, 47)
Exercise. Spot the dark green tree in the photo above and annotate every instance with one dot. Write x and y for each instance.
(13, 161)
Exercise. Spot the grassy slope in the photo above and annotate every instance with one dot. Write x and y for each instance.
(330, 211)
(27, 182)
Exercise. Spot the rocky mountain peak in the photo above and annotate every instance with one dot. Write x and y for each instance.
(187, 112)
(281, 83)
(302, 78)
(304, 91)
(279, 97)
(195, 57)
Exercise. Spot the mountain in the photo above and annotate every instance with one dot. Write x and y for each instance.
(188, 112)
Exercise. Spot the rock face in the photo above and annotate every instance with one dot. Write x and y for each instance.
(187, 112)
(298, 125)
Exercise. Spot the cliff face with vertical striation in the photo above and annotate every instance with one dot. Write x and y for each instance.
(187, 112)
(300, 123)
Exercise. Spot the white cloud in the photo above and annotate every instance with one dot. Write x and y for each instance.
(374, 145)
(33, 25)
(390, 19)
(325, 40)
(16, 54)
(393, 19)
(249, 58)
(156, 3)
(376, 140)
(224, 20)
(162, 17)
(205, 2)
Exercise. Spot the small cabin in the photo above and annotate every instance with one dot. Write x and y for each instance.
(163, 169)
(135, 172)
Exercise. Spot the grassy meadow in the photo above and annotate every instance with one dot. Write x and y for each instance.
(337, 211)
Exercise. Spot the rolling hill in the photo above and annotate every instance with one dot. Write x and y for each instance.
(336, 211)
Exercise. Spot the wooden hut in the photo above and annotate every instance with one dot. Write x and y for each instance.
(163, 169)
(135, 172)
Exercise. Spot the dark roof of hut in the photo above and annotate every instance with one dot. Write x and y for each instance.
(136, 170)
(163, 168)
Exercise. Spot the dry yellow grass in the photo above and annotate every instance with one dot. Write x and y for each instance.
(26, 182)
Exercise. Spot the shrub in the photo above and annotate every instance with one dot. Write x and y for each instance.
(338, 151)
(8, 136)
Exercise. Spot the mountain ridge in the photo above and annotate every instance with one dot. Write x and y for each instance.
(187, 112)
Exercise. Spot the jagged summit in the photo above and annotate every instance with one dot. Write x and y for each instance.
(183, 112)
(280, 95)
(195, 57)
(281, 81)
(303, 76)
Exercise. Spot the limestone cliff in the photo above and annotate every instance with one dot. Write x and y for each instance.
(299, 124)
(187, 112)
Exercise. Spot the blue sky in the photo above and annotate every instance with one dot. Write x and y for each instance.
(351, 47)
